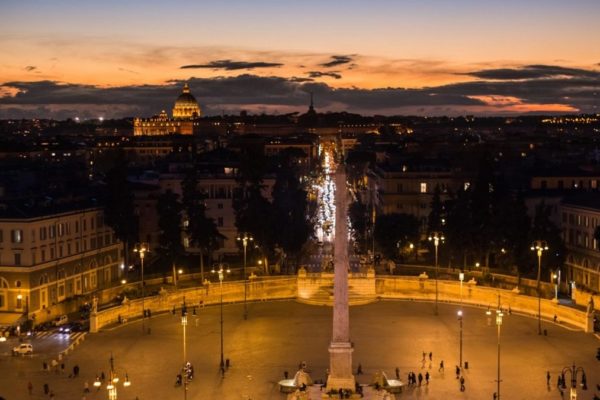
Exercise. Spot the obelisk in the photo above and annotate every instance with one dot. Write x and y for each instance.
(340, 349)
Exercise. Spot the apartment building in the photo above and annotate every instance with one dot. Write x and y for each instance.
(47, 257)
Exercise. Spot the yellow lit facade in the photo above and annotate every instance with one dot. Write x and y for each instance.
(184, 121)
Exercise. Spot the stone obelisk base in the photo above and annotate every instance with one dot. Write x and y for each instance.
(340, 367)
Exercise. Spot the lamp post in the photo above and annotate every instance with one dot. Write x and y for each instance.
(183, 326)
(460, 320)
(499, 316)
(142, 249)
(113, 380)
(574, 371)
(221, 272)
(461, 278)
(245, 238)
(436, 238)
(539, 246)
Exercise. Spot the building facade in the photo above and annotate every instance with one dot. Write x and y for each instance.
(580, 217)
(47, 259)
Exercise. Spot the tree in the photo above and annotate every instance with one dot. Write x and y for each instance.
(544, 229)
(119, 206)
(169, 224)
(290, 208)
(434, 221)
(202, 231)
(360, 221)
(392, 229)
(253, 213)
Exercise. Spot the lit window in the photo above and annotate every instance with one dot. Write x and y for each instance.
(17, 236)
(423, 187)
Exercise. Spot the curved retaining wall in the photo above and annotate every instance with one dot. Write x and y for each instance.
(364, 286)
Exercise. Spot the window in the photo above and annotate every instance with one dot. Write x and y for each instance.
(17, 235)
(84, 223)
(68, 249)
(52, 251)
(33, 257)
(60, 251)
(43, 255)
(423, 187)
(52, 231)
(43, 233)
(1, 236)
(76, 226)
(61, 229)
(18, 284)
(220, 221)
(91, 222)
(17, 259)
(33, 235)
(107, 239)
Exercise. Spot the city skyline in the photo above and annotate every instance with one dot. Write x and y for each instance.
(65, 59)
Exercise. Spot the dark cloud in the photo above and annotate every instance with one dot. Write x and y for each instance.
(532, 72)
(300, 79)
(337, 60)
(319, 74)
(230, 65)
(30, 68)
(44, 99)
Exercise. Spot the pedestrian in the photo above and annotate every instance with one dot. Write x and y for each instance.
(427, 378)
(430, 356)
(86, 387)
(45, 366)
(103, 377)
(558, 382)
(397, 373)
(462, 383)
(62, 368)
(30, 388)
(285, 374)
(76, 371)
(46, 389)
(51, 395)
(495, 395)
(457, 372)
(548, 378)
(359, 369)
(420, 378)
(441, 369)
(424, 355)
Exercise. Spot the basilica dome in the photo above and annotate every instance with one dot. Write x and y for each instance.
(186, 105)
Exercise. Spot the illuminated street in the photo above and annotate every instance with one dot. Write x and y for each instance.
(282, 334)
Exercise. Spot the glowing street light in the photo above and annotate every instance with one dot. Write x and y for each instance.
(113, 379)
(221, 273)
(142, 249)
(436, 238)
(460, 320)
(245, 238)
(539, 246)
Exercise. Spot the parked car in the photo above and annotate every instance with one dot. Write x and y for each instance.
(23, 348)
(63, 319)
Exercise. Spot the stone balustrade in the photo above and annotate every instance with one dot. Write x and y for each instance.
(363, 286)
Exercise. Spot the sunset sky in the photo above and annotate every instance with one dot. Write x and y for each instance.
(426, 57)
